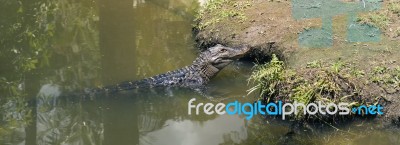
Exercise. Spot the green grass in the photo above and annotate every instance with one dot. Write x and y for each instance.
(398, 32)
(216, 11)
(324, 82)
(381, 19)
(268, 77)
(377, 19)
(394, 7)
(388, 77)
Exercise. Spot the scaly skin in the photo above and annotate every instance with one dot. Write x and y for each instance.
(205, 67)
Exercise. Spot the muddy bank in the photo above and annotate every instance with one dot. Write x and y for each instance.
(365, 40)
(257, 24)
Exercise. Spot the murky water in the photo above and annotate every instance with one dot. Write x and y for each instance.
(138, 39)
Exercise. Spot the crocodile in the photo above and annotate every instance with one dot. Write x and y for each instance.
(204, 67)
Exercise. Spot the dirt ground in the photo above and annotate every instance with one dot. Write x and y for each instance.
(270, 28)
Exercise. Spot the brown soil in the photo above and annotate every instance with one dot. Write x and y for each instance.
(266, 28)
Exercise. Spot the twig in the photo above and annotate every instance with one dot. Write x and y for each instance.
(363, 2)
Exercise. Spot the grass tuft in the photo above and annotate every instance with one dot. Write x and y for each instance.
(319, 82)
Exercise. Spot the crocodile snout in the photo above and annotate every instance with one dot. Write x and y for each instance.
(241, 51)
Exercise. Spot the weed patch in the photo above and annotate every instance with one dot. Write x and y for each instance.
(382, 18)
(320, 82)
(216, 11)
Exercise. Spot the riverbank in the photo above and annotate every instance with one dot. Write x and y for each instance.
(356, 50)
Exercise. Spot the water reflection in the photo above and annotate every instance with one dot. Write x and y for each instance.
(131, 117)
(129, 37)
(151, 38)
(192, 132)
(64, 121)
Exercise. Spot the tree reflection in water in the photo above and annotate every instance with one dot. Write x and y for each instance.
(58, 47)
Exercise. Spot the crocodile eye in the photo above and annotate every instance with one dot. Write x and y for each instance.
(223, 50)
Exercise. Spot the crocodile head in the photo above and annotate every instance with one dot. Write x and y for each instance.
(221, 56)
(211, 61)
